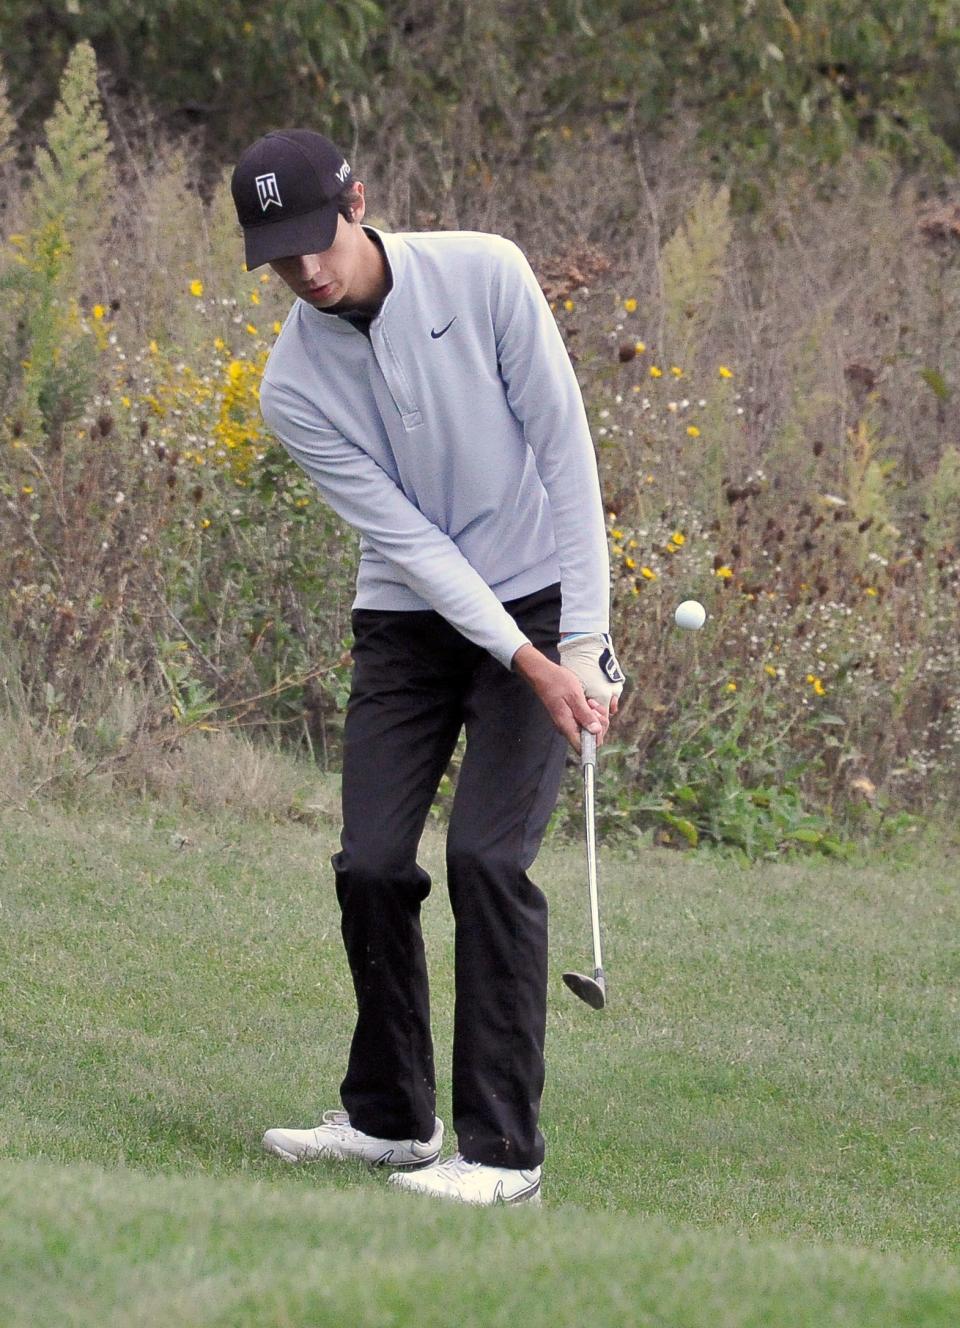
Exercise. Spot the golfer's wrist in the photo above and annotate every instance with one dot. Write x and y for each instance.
(530, 662)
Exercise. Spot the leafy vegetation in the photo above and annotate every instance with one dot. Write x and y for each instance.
(772, 86)
(769, 396)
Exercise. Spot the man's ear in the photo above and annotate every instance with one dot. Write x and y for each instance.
(358, 211)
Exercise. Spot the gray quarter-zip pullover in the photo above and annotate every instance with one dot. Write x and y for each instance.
(452, 437)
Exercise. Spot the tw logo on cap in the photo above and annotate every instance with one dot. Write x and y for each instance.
(268, 191)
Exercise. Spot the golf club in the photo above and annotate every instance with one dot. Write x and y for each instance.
(592, 990)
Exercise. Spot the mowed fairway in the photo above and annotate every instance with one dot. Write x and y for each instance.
(761, 1129)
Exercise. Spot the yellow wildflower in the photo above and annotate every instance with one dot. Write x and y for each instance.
(671, 547)
(196, 288)
(205, 523)
(768, 668)
(655, 372)
(219, 344)
(677, 373)
(251, 329)
(277, 327)
(731, 686)
(629, 562)
(27, 488)
(569, 306)
(617, 534)
(811, 677)
(647, 574)
(693, 431)
(678, 538)
(98, 311)
(724, 372)
(125, 401)
(254, 297)
(819, 688)
(724, 573)
(631, 544)
(870, 591)
(153, 348)
(630, 305)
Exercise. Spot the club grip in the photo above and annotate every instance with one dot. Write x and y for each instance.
(588, 748)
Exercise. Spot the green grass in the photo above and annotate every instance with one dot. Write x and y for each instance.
(88, 1246)
(760, 1129)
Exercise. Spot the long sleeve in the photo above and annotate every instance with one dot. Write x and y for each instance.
(544, 395)
(366, 497)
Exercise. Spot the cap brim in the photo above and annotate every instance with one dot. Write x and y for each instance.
(311, 233)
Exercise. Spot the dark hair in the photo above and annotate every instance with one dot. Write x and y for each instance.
(347, 201)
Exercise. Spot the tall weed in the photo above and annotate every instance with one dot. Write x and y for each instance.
(780, 451)
(7, 125)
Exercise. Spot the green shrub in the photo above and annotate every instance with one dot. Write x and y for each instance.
(770, 441)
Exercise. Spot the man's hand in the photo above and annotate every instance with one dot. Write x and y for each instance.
(561, 692)
(591, 657)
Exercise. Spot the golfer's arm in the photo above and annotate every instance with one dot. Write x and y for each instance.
(544, 395)
(365, 496)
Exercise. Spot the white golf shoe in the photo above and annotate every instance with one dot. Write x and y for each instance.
(335, 1137)
(474, 1182)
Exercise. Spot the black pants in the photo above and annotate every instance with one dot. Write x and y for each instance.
(416, 682)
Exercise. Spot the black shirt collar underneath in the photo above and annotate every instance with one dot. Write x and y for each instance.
(362, 318)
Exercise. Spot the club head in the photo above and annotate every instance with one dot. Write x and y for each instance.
(591, 990)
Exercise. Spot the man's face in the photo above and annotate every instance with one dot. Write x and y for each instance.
(327, 278)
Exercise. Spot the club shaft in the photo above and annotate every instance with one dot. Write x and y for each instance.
(588, 743)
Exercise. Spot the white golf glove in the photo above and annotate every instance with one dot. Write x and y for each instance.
(592, 659)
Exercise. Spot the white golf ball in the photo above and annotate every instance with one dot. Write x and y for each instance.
(690, 615)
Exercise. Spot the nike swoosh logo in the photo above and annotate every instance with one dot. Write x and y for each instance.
(435, 335)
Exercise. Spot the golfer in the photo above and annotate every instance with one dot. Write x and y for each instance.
(420, 381)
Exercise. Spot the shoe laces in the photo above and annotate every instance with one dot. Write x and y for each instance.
(456, 1167)
(340, 1119)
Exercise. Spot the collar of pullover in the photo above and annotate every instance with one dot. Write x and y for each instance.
(395, 252)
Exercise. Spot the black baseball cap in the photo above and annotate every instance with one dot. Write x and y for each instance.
(285, 187)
